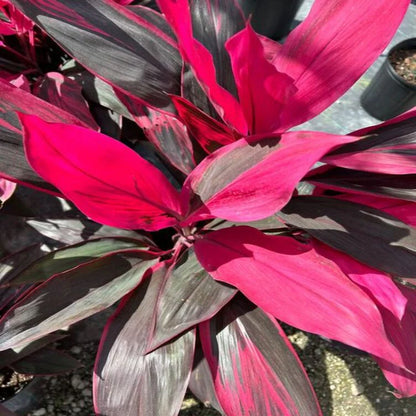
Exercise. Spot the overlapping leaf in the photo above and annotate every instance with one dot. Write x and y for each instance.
(137, 196)
(125, 49)
(367, 234)
(126, 379)
(68, 297)
(243, 346)
(279, 273)
(253, 178)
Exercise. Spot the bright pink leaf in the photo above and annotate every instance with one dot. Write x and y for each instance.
(253, 178)
(332, 48)
(178, 15)
(263, 91)
(106, 180)
(279, 274)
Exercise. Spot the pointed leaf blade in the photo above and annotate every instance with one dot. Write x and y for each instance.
(242, 345)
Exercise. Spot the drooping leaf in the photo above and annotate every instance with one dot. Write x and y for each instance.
(279, 274)
(188, 297)
(68, 297)
(328, 51)
(371, 236)
(73, 231)
(65, 93)
(6, 190)
(348, 180)
(114, 43)
(388, 148)
(263, 90)
(68, 258)
(208, 132)
(202, 63)
(253, 178)
(126, 380)
(255, 368)
(13, 164)
(80, 162)
(47, 361)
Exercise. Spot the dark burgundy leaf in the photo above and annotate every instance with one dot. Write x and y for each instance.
(13, 164)
(255, 368)
(68, 258)
(340, 179)
(47, 361)
(188, 296)
(114, 43)
(367, 234)
(68, 297)
(126, 380)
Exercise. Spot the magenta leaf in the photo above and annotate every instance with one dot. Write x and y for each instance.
(348, 180)
(202, 63)
(208, 132)
(253, 178)
(65, 93)
(104, 36)
(255, 368)
(367, 234)
(188, 297)
(329, 51)
(388, 148)
(263, 91)
(127, 380)
(56, 304)
(12, 158)
(80, 162)
(279, 273)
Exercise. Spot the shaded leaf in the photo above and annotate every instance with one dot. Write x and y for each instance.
(126, 380)
(371, 236)
(188, 296)
(68, 297)
(279, 273)
(70, 257)
(47, 361)
(114, 43)
(254, 177)
(137, 196)
(255, 368)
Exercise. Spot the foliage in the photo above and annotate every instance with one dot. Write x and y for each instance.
(174, 125)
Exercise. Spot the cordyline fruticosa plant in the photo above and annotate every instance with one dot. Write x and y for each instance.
(216, 101)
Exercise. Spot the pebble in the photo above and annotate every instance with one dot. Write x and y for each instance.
(40, 412)
(86, 392)
(357, 389)
(76, 349)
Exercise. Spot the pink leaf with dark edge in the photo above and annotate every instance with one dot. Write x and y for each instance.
(263, 91)
(396, 305)
(255, 368)
(254, 177)
(201, 61)
(13, 164)
(188, 296)
(80, 162)
(65, 93)
(369, 235)
(114, 43)
(208, 132)
(130, 382)
(6, 190)
(279, 273)
(165, 132)
(73, 295)
(329, 51)
(387, 148)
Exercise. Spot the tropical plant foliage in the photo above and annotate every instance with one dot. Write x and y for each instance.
(172, 123)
